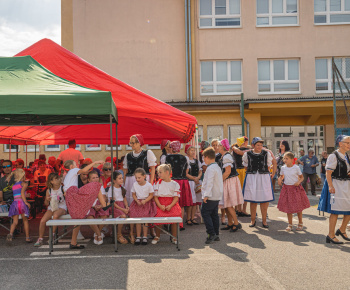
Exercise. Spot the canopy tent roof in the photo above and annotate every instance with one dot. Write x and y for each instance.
(32, 95)
(137, 111)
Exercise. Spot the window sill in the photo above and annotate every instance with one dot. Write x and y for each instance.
(279, 93)
(274, 26)
(218, 95)
(331, 24)
(220, 27)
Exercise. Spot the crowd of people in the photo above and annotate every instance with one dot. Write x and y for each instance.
(224, 177)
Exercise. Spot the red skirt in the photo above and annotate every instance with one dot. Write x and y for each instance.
(174, 212)
(98, 213)
(147, 210)
(118, 212)
(293, 199)
(185, 193)
(80, 200)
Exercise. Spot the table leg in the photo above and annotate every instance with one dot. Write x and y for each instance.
(115, 238)
(50, 239)
(177, 236)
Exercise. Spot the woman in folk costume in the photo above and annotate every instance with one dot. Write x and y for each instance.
(166, 149)
(335, 196)
(232, 186)
(257, 184)
(138, 158)
(238, 150)
(179, 167)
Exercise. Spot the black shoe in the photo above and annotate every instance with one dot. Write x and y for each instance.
(331, 240)
(75, 247)
(235, 228)
(182, 229)
(194, 223)
(144, 241)
(224, 224)
(137, 242)
(227, 228)
(252, 225)
(338, 232)
(265, 226)
(216, 238)
(245, 214)
(189, 223)
(210, 239)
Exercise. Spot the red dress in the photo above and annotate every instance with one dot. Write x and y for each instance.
(293, 199)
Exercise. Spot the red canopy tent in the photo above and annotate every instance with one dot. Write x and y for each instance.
(137, 111)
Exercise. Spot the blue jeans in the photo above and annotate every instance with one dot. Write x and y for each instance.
(210, 216)
(323, 177)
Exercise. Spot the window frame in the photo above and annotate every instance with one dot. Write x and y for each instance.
(7, 150)
(215, 83)
(89, 149)
(328, 14)
(31, 149)
(52, 149)
(229, 133)
(108, 148)
(213, 16)
(76, 148)
(270, 15)
(222, 132)
(272, 82)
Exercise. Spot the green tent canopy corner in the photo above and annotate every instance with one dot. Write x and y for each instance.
(30, 95)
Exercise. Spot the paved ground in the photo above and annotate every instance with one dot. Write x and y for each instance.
(253, 258)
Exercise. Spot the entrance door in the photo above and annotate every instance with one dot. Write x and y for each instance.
(295, 144)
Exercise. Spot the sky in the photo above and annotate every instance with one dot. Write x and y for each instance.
(24, 22)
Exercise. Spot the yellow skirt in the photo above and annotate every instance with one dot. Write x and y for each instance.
(241, 175)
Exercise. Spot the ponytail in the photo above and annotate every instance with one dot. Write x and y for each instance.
(123, 191)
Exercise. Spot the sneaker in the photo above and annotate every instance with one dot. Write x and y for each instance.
(80, 236)
(39, 242)
(155, 240)
(174, 241)
(210, 239)
(216, 238)
(102, 235)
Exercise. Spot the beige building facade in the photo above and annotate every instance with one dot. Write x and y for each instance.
(277, 53)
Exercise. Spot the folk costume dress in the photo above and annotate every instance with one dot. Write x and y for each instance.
(257, 186)
(194, 168)
(119, 200)
(148, 209)
(232, 186)
(18, 206)
(145, 159)
(293, 199)
(166, 191)
(340, 204)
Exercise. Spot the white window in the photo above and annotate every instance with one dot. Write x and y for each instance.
(277, 13)
(13, 148)
(324, 78)
(76, 148)
(215, 132)
(52, 148)
(153, 146)
(221, 77)
(219, 13)
(234, 132)
(278, 76)
(331, 11)
(93, 147)
(200, 134)
(31, 148)
(108, 148)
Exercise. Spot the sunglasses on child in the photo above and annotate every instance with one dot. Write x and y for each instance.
(6, 166)
(107, 169)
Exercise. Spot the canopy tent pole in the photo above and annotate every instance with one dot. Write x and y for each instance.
(112, 185)
(196, 142)
(27, 154)
(10, 150)
(116, 146)
(35, 152)
(17, 152)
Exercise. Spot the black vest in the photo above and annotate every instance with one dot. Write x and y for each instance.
(194, 168)
(280, 163)
(341, 171)
(238, 158)
(218, 157)
(137, 162)
(178, 164)
(257, 163)
(233, 169)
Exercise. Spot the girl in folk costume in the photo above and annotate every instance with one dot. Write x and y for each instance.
(194, 174)
(257, 184)
(293, 197)
(335, 196)
(215, 145)
(142, 206)
(166, 197)
(179, 167)
(238, 150)
(121, 208)
(232, 186)
(166, 149)
(19, 206)
(138, 158)
(284, 147)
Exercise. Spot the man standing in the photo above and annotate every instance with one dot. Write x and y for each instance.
(6, 194)
(309, 163)
(71, 154)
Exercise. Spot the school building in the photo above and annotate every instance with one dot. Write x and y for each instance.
(200, 55)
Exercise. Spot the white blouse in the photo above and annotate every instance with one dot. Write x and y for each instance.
(142, 192)
(227, 160)
(332, 161)
(151, 158)
(117, 193)
(189, 162)
(291, 174)
(167, 189)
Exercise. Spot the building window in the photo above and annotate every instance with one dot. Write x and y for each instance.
(76, 148)
(153, 146)
(13, 148)
(234, 132)
(219, 13)
(108, 148)
(93, 147)
(31, 148)
(215, 132)
(200, 134)
(277, 13)
(324, 78)
(331, 11)
(52, 148)
(221, 77)
(278, 76)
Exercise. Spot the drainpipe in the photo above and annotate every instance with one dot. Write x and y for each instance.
(186, 46)
(248, 128)
(190, 47)
(242, 113)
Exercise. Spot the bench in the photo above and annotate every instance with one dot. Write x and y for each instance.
(111, 221)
